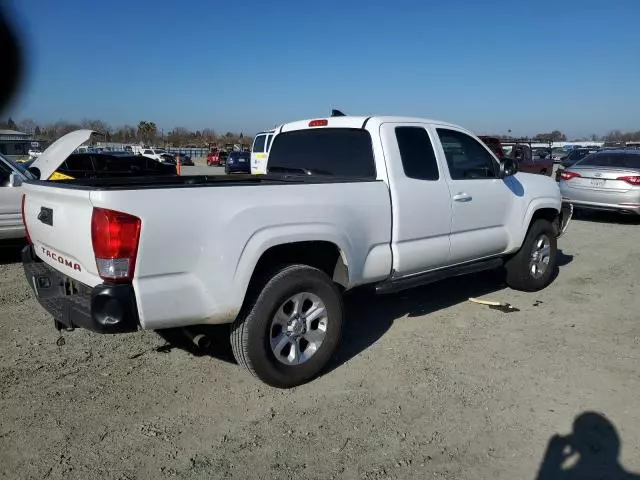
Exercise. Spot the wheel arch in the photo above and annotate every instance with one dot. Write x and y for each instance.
(269, 249)
(544, 208)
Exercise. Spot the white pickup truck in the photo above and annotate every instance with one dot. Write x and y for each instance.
(390, 202)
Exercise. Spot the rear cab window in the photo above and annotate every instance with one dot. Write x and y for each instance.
(416, 152)
(339, 152)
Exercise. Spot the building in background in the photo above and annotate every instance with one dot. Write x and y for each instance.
(14, 144)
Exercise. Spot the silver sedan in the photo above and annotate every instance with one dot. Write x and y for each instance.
(605, 180)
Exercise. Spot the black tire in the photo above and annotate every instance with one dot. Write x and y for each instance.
(251, 331)
(519, 274)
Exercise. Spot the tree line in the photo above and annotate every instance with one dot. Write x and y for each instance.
(144, 132)
(148, 132)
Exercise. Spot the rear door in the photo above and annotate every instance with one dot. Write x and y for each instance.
(259, 155)
(480, 200)
(420, 198)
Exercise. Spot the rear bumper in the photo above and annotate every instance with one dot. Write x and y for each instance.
(592, 199)
(607, 207)
(104, 308)
(244, 168)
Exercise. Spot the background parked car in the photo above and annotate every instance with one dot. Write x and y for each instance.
(574, 156)
(557, 153)
(11, 177)
(185, 160)
(494, 144)
(522, 153)
(106, 165)
(238, 162)
(154, 153)
(605, 180)
(260, 151)
(216, 157)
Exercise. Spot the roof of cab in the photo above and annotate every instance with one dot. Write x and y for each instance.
(348, 121)
(266, 132)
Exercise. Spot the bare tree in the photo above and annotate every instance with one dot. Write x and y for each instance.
(179, 136)
(27, 125)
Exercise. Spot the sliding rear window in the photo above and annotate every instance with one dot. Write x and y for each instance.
(339, 152)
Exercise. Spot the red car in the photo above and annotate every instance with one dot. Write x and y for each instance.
(216, 157)
(527, 162)
(494, 144)
(521, 152)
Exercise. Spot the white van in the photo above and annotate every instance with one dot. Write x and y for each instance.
(260, 152)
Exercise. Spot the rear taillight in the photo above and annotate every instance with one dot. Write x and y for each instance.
(567, 175)
(24, 219)
(633, 180)
(115, 237)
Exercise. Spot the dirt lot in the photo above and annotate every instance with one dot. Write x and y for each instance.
(426, 385)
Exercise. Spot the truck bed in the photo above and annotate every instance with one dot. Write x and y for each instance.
(199, 246)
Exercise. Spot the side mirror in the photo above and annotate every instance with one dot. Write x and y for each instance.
(15, 180)
(508, 167)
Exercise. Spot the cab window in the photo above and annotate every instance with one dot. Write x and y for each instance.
(466, 157)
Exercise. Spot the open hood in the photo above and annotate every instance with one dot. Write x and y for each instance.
(49, 161)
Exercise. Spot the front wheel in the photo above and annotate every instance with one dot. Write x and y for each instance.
(291, 330)
(533, 267)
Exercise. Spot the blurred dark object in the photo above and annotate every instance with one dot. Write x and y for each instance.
(11, 58)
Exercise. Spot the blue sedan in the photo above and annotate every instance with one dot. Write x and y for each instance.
(238, 162)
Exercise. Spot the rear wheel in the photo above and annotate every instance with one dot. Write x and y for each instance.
(533, 267)
(291, 329)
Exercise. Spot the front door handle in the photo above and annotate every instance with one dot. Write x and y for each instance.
(462, 197)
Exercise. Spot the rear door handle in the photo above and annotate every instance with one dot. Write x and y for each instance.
(462, 197)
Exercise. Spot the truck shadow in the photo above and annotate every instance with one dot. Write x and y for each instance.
(10, 251)
(367, 316)
(218, 336)
(606, 217)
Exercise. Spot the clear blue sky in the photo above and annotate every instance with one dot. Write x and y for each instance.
(239, 65)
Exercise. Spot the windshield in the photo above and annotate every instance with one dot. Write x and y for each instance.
(614, 160)
(22, 168)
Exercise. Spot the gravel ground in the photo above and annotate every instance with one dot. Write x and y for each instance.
(426, 385)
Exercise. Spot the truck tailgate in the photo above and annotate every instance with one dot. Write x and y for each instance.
(59, 223)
